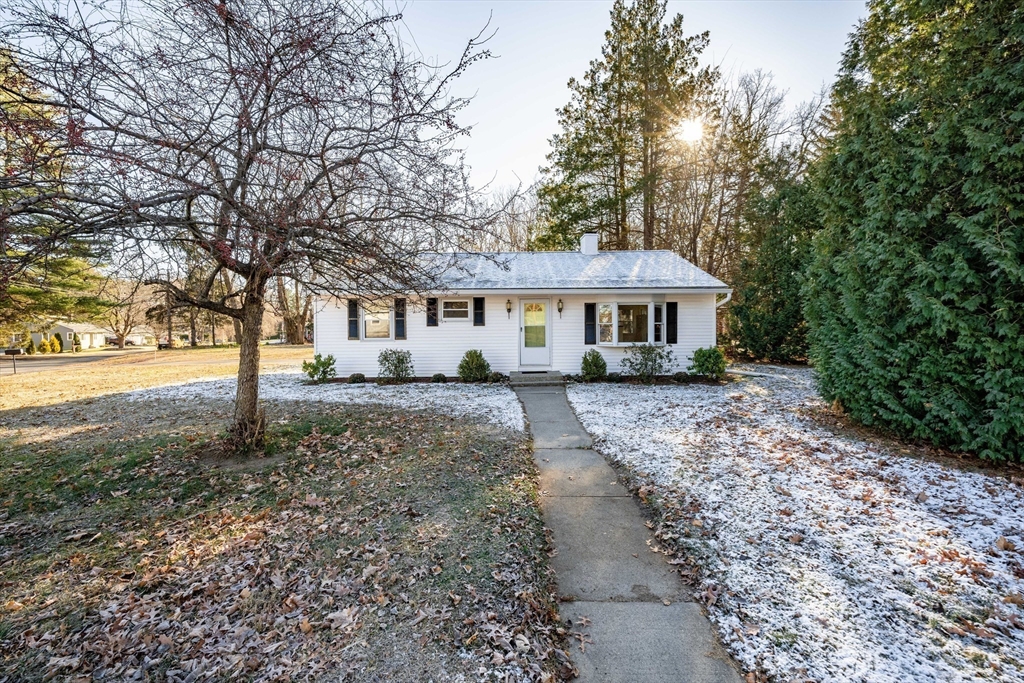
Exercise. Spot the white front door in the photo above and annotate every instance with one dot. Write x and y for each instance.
(535, 332)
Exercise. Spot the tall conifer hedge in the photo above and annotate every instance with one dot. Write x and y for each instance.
(915, 294)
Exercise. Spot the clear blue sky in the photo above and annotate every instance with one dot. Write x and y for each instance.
(540, 44)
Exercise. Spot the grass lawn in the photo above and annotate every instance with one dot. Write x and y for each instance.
(370, 544)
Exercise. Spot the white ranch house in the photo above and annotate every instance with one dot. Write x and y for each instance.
(90, 336)
(532, 311)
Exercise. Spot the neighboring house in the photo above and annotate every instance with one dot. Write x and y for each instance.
(532, 311)
(90, 336)
(140, 336)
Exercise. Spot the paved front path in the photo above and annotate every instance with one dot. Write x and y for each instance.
(615, 587)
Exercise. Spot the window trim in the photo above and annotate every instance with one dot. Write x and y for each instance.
(614, 324)
(469, 311)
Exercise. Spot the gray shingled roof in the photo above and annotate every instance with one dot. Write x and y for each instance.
(575, 270)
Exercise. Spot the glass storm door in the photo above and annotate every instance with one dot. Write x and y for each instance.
(535, 346)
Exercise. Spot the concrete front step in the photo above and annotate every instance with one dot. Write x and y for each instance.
(535, 379)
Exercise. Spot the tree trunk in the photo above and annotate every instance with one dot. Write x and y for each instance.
(192, 334)
(120, 341)
(226, 279)
(247, 432)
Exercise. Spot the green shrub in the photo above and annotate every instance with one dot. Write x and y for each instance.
(356, 378)
(615, 377)
(395, 366)
(474, 367)
(30, 347)
(593, 367)
(709, 362)
(77, 343)
(681, 377)
(320, 369)
(914, 297)
(438, 378)
(57, 343)
(495, 378)
(647, 361)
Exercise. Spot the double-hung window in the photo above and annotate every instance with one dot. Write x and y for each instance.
(605, 323)
(455, 310)
(659, 324)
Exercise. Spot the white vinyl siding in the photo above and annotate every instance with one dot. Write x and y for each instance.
(439, 349)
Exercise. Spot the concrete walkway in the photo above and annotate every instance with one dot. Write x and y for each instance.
(615, 587)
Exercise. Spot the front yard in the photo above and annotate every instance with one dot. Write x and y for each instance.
(822, 555)
(374, 542)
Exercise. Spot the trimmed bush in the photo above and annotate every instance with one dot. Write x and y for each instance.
(495, 378)
(395, 366)
(593, 367)
(614, 377)
(77, 343)
(320, 369)
(647, 361)
(438, 378)
(474, 367)
(709, 362)
(44, 346)
(56, 344)
(357, 378)
(681, 377)
(30, 348)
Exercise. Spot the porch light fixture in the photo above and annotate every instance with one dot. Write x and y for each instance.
(508, 308)
(560, 306)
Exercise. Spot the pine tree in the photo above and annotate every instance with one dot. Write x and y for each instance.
(915, 296)
(606, 164)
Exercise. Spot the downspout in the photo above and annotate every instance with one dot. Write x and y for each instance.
(727, 299)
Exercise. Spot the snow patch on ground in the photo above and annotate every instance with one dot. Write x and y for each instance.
(840, 561)
(496, 404)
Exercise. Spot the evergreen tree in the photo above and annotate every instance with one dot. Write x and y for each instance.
(606, 164)
(915, 296)
(768, 320)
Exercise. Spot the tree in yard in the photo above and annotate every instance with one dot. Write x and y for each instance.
(130, 300)
(915, 295)
(293, 139)
(606, 164)
(295, 306)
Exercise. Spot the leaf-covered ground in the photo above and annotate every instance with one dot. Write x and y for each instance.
(823, 555)
(371, 544)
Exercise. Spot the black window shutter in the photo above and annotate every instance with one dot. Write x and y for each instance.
(478, 311)
(431, 312)
(671, 324)
(399, 318)
(353, 319)
(589, 323)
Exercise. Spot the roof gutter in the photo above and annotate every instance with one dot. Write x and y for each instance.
(727, 299)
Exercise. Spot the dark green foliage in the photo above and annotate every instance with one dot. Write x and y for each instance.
(593, 367)
(357, 378)
(495, 378)
(474, 367)
(77, 342)
(681, 377)
(438, 378)
(647, 361)
(57, 343)
(915, 296)
(395, 366)
(614, 377)
(708, 362)
(767, 313)
(320, 369)
(30, 347)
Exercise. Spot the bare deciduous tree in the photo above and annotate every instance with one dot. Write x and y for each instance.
(286, 138)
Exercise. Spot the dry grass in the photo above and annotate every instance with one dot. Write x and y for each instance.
(135, 371)
(371, 544)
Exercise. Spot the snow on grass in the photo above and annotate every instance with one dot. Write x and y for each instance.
(840, 561)
(496, 404)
